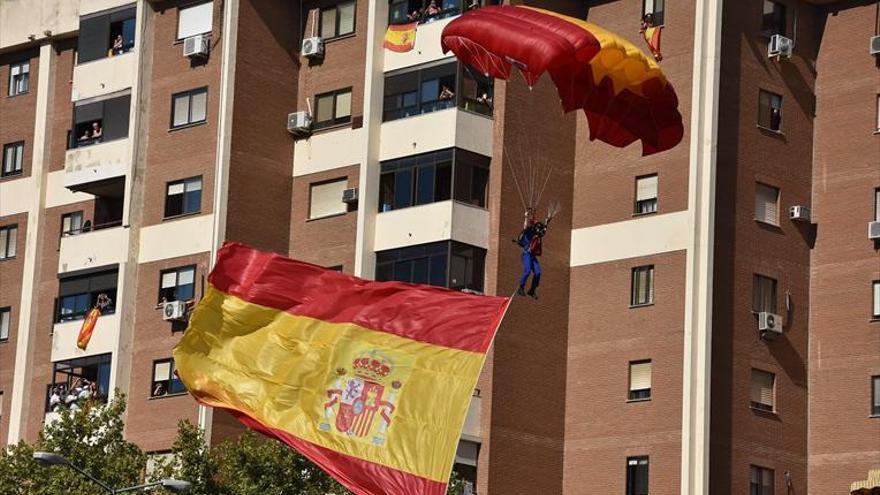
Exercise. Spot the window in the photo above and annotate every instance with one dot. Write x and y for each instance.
(183, 197)
(766, 204)
(773, 20)
(445, 264)
(76, 380)
(5, 316)
(189, 107)
(193, 20)
(106, 34)
(337, 20)
(655, 9)
(877, 124)
(8, 241)
(177, 284)
(100, 120)
(333, 108)
(877, 204)
(761, 481)
(13, 156)
(165, 379)
(325, 198)
(763, 393)
(467, 456)
(400, 10)
(71, 223)
(640, 380)
(646, 194)
(875, 313)
(763, 294)
(432, 177)
(642, 286)
(875, 396)
(78, 294)
(19, 78)
(637, 475)
(436, 87)
(769, 111)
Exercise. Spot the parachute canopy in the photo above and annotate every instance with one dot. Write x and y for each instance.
(623, 92)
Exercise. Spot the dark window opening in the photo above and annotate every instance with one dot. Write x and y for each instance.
(640, 380)
(72, 223)
(642, 290)
(76, 381)
(654, 9)
(437, 87)
(773, 19)
(8, 241)
(433, 177)
(761, 481)
(183, 197)
(646, 194)
(337, 20)
(763, 294)
(875, 396)
(333, 108)
(5, 318)
(445, 264)
(424, 11)
(770, 110)
(165, 380)
(177, 284)
(106, 34)
(13, 159)
(100, 121)
(637, 475)
(79, 294)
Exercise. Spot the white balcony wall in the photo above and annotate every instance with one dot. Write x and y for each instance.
(103, 76)
(426, 49)
(58, 195)
(435, 131)
(328, 150)
(22, 18)
(92, 249)
(471, 429)
(441, 221)
(16, 195)
(642, 236)
(176, 238)
(96, 162)
(103, 340)
(92, 6)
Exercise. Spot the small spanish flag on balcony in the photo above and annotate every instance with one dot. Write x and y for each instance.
(400, 37)
(652, 38)
(369, 380)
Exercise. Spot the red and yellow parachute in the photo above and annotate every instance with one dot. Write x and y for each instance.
(623, 92)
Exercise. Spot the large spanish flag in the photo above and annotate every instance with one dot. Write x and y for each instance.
(369, 380)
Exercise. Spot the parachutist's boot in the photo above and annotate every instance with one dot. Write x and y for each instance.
(532, 294)
(521, 291)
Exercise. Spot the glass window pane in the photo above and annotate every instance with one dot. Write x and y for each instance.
(176, 188)
(343, 105)
(13, 240)
(4, 324)
(346, 18)
(161, 371)
(403, 271)
(420, 271)
(198, 106)
(186, 276)
(328, 23)
(403, 183)
(425, 185)
(169, 279)
(193, 201)
(181, 110)
(194, 184)
(324, 108)
(438, 270)
(4, 239)
(430, 90)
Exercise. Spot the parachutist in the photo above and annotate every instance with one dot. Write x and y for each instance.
(530, 239)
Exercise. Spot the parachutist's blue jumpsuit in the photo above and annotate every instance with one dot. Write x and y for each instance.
(531, 244)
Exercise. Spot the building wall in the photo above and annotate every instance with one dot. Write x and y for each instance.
(741, 436)
(844, 442)
(10, 296)
(18, 111)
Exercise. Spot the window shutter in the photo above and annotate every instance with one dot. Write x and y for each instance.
(877, 191)
(466, 453)
(169, 280)
(766, 201)
(88, 112)
(876, 299)
(326, 199)
(94, 38)
(181, 110)
(646, 188)
(186, 276)
(346, 18)
(195, 20)
(116, 112)
(639, 376)
(343, 105)
(4, 324)
(762, 387)
(328, 23)
(199, 106)
(876, 381)
(176, 188)
(13, 241)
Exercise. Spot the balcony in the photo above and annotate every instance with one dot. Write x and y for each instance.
(471, 429)
(104, 245)
(450, 220)
(433, 131)
(328, 150)
(89, 167)
(104, 338)
(103, 76)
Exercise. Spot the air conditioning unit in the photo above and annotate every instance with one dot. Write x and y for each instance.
(174, 310)
(313, 47)
(299, 123)
(799, 213)
(350, 195)
(769, 324)
(196, 46)
(874, 231)
(779, 46)
(875, 45)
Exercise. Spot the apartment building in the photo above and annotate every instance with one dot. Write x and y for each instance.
(708, 316)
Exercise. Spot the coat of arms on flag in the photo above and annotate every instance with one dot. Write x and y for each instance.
(369, 380)
(400, 37)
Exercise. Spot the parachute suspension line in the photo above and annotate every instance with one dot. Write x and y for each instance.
(515, 180)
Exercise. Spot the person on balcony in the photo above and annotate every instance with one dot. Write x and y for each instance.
(433, 10)
(446, 93)
(97, 131)
(118, 45)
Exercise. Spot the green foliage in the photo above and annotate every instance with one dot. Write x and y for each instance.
(92, 438)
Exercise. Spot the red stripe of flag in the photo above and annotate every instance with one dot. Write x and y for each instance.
(420, 313)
